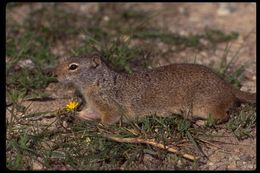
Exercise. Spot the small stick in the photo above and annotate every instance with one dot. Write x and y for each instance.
(153, 143)
(210, 143)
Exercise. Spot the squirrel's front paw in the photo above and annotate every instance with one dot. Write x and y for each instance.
(88, 114)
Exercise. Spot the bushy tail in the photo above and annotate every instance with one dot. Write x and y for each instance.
(244, 97)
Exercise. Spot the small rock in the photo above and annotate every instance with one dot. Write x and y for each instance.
(236, 158)
(250, 166)
(236, 150)
(230, 159)
(194, 19)
(245, 158)
(179, 163)
(26, 63)
(163, 47)
(182, 10)
(210, 163)
(148, 158)
(183, 33)
(125, 38)
(200, 122)
(222, 11)
(226, 9)
(232, 165)
(215, 159)
(82, 36)
(222, 167)
(173, 48)
(212, 167)
(37, 166)
(106, 18)
(89, 7)
(65, 124)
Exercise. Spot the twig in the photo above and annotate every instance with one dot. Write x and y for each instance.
(153, 143)
(197, 147)
(209, 143)
(227, 143)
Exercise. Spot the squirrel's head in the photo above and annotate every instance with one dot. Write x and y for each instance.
(80, 70)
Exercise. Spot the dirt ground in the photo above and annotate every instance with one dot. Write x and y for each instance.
(186, 18)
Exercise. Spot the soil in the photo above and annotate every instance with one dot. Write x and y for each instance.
(186, 18)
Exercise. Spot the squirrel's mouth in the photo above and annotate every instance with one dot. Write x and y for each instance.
(62, 79)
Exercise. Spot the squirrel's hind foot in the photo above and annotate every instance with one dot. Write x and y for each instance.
(88, 114)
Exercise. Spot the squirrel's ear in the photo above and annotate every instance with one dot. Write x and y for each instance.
(96, 61)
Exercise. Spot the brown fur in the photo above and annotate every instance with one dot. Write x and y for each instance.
(188, 89)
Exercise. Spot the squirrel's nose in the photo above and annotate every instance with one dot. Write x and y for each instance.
(50, 71)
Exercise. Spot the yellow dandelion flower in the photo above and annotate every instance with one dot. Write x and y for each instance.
(71, 106)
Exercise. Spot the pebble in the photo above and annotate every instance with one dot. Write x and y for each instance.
(222, 167)
(200, 122)
(182, 10)
(147, 158)
(236, 150)
(89, 7)
(245, 158)
(106, 18)
(173, 48)
(210, 163)
(222, 11)
(250, 166)
(24, 64)
(214, 159)
(179, 163)
(65, 124)
(213, 167)
(232, 165)
(163, 47)
(236, 158)
(37, 166)
(226, 9)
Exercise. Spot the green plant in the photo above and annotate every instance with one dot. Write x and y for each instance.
(242, 123)
(210, 121)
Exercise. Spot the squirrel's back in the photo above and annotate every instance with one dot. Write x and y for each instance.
(157, 90)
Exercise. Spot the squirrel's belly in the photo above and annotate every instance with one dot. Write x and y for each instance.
(139, 114)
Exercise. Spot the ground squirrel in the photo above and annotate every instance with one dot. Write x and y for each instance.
(191, 90)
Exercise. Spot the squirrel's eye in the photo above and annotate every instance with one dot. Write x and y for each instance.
(73, 66)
